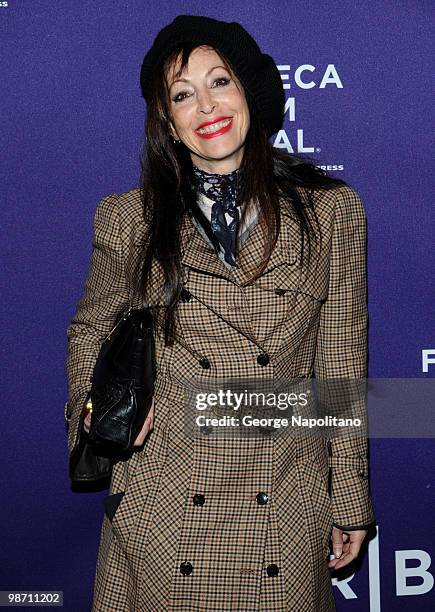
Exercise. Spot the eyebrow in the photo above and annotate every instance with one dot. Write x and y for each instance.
(206, 74)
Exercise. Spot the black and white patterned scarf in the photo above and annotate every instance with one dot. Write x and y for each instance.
(225, 216)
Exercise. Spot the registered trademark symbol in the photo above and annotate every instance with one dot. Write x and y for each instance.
(318, 149)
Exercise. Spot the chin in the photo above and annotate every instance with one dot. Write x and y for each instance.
(220, 152)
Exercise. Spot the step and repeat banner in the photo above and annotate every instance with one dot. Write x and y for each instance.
(357, 80)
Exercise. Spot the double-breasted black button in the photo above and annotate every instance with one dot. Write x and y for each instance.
(279, 291)
(205, 430)
(186, 568)
(198, 499)
(263, 359)
(262, 498)
(272, 570)
(204, 363)
(185, 296)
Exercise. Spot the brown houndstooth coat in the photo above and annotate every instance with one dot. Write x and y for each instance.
(204, 525)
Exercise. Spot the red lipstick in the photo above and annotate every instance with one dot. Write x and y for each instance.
(218, 132)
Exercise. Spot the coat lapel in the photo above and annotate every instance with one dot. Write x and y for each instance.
(251, 317)
(285, 251)
(199, 255)
(282, 274)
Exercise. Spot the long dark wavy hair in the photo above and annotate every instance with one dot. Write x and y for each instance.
(168, 193)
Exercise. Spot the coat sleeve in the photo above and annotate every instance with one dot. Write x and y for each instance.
(341, 354)
(105, 295)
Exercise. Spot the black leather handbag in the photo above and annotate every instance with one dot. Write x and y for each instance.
(120, 397)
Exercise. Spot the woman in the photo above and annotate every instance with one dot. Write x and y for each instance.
(255, 263)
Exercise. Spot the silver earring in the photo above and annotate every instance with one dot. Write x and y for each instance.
(175, 141)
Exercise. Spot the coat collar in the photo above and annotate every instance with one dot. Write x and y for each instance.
(198, 255)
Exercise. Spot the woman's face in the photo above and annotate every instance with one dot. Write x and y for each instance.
(208, 110)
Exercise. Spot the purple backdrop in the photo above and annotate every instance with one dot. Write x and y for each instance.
(356, 76)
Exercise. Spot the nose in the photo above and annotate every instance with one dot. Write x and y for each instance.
(205, 102)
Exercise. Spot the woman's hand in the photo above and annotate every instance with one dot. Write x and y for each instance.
(147, 426)
(345, 546)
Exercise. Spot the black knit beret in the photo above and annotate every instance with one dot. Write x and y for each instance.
(256, 70)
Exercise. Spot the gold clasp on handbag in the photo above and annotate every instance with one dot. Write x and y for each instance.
(88, 406)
